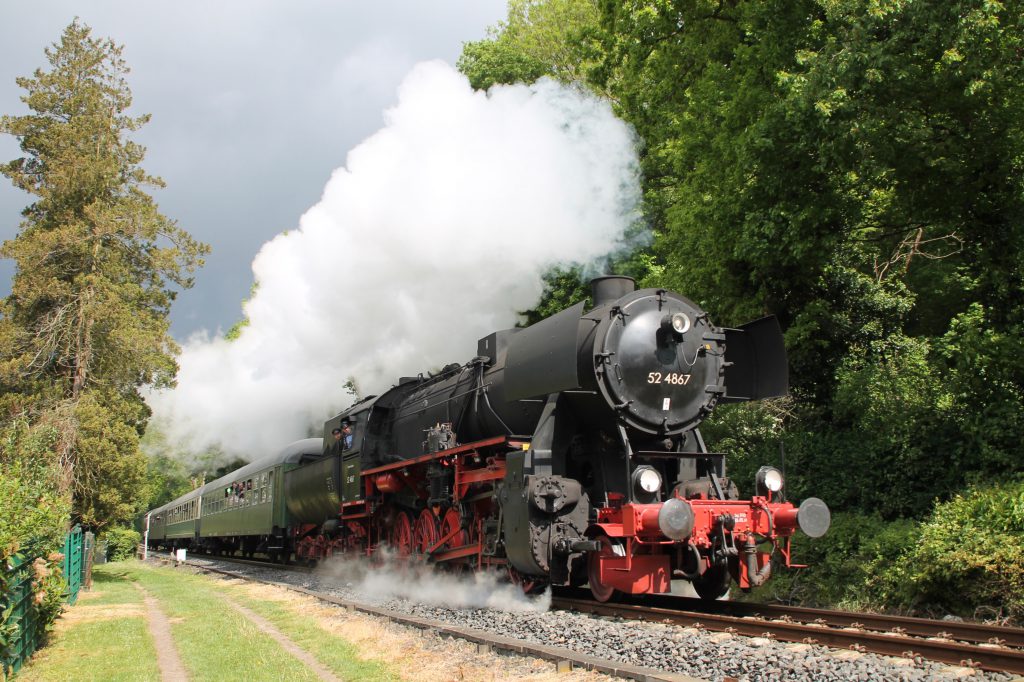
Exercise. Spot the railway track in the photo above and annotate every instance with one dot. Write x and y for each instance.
(195, 560)
(967, 644)
(973, 645)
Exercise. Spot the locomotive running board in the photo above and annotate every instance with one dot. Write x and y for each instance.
(461, 449)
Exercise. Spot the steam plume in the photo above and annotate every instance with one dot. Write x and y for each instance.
(424, 584)
(434, 233)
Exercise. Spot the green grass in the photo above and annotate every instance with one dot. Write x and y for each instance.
(102, 642)
(105, 638)
(215, 641)
(331, 651)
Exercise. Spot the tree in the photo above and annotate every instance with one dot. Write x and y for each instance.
(86, 324)
(854, 168)
(538, 38)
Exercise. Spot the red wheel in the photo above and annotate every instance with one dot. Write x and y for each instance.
(602, 591)
(529, 584)
(424, 532)
(355, 537)
(453, 522)
(401, 535)
(337, 546)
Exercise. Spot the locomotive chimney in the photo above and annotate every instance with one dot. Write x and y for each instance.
(610, 288)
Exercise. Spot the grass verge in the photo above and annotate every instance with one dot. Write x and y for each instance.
(106, 637)
(330, 650)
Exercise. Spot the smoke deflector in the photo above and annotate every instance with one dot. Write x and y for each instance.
(542, 357)
(757, 365)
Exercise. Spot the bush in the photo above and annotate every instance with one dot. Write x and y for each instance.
(33, 514)
(842, 562)
(969, 559)
(121, 543)
(33, 522)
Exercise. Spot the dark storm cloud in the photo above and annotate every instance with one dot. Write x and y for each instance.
(253, 104)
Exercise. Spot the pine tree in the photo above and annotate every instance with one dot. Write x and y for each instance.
(98, 266)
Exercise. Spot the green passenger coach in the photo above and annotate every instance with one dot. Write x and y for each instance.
(244, 511)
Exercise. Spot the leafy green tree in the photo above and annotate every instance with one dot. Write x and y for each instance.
(538, 38)
(854, 168)
(97, 269)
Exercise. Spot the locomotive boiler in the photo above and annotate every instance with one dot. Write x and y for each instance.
(567, 452)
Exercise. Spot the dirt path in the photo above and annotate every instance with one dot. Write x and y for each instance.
(171, 667)
(287, 644)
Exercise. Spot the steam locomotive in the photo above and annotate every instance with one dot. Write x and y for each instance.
(564, 453)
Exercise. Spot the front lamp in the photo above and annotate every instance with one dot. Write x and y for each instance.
(769, 479)
(676, 325)
(647, 480)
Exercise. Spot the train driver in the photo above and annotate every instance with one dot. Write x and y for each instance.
(343, 435)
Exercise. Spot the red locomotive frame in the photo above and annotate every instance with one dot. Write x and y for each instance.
(632, 554)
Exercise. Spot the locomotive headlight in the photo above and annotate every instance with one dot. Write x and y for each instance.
(647, 480)
(769, 479)
(680, 323)
(674, 326)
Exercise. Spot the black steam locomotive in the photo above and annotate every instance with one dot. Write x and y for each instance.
(567, 452)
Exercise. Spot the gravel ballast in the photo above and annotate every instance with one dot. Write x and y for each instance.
(483, 604)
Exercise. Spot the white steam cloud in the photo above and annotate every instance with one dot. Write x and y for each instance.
(425, 584)
(435, 233)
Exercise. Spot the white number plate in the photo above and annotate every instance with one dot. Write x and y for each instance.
(672, 378)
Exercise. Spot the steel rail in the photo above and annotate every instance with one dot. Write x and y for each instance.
(978, 633)
(984, 656)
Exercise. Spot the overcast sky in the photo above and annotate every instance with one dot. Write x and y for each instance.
(253, 105)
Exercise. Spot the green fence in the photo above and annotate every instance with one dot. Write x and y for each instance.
(18, 616)
(20, 631)
(72, 564)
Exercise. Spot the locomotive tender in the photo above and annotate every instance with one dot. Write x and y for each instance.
(567, 452)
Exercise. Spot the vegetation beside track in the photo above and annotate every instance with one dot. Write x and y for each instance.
(106, 636)
(854, 168)
(965, 558)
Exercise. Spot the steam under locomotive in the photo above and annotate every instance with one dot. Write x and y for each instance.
(567, 452)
